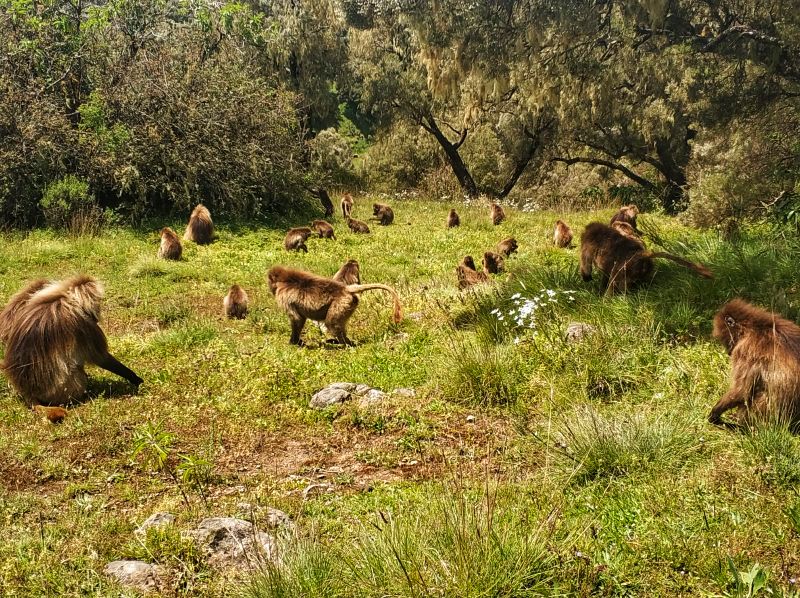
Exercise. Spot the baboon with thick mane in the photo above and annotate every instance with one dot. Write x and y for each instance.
(357, 226)
(347, 205)
(170, 248)
(493, 263)
(303, 295)
(235, 302)
(497, 213)
(623, 261)
(349, 273)
(453, 219)
(200, 228)
(626, 214)
(507, 246)
(467, 275)
(764, 350)
(51, 330)
(296, 238)
(324, 229)
(562, 234)
(626, 229)
(382, 213)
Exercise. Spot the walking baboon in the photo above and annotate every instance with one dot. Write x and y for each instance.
(200, 228)
(623, 261)
(493, 263)
(51, 331)
(303, 295)
(382, 213)
(349, 273)
(347, 205)
(170, 248)
(626, 214)
(467, 275)
(324, 229)
(764, 350)
(562, 234)
(453, 219)
(357, 226)
(497, 213)
(507, 246)
(236, 302)
(296, 238)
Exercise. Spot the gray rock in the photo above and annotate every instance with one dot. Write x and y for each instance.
(408, 393)
(577, 331)
(231, 543)
(372, 396)
(341, 392)
(470, 419)
(138, 575)
(274, 519)
(155, 520)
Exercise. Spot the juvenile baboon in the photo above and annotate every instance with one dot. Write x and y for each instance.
(764, 349)
(562, 234)
(623, 261)
(453, 219)
(200, 228)
(626, 229)
(296, 238)
(507, 246)
(382, 213)
(303, 295)
(51, 331)
(235, 303)
(357, 226)
(347, 205)
(467, 275)
(626, 214)
(349, 273)
(493, 263)
(324, 229)
(170, 248)
(497, 213)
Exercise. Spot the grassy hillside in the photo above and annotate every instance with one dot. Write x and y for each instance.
(524, 466)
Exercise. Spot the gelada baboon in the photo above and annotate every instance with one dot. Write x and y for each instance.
(200, 228)
(562, 234)
(493, 263)
(324, 229)
(497, 213)
(467, 275)
(170, 248)
(507, 246)
(51, 331)
(303, 295)
(627, 214)
(626, 229)
(325, 200)
(382, 213)
(296, 238)
(347, 205)
(349, 273)
(453, 219)
(357, 226)
(764, 349)
(623, 261)
(235, 303)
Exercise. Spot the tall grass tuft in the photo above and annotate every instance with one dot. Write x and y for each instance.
(775, 452)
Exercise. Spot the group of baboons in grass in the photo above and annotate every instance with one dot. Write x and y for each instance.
(51, 330)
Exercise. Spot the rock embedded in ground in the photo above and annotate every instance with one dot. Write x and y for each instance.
(141, 576)
(577, 331)
(341, 392)
(408, 393)
(272, 518)
(155, 520)
(233, 544)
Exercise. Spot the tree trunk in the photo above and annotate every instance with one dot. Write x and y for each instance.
(451, 151)
(673, 168)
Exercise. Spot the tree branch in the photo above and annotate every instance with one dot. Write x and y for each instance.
(647, 184)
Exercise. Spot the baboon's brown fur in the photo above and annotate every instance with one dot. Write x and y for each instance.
(325, 200)
(382, 213)
(357, 226)
(467, 275)
(347, 205)
(764, 350)
(497, 213)
(626, 229)
(236, 302)
(626, 214)
(507, 246)
(170, 248)
(562, 234)
(303, 295)
(324, 229)
(623, 261)
(51, 330)
(493, 263)
(453, 219)
(200, 228)
(296, 238)
(349, 273)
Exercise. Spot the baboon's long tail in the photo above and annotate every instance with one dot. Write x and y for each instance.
(398, 307)
(698, 268)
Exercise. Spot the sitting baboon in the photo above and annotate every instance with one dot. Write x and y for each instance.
(235, 303)
(296, 238)
(51, 331)
(493, 263)
(453, 219)
(303, 295)
(467, 275)
(349, 273)
(562, 234)
(170, 248)
(626, 229)
(324, 229)
(347, 205)
(382, 213)
(623, 261)
(626, 214)
(507, 246)
(497, 214)
(200, 228)
(357, 226)
(764, 350)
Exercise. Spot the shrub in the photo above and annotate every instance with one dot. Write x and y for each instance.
(68, 204)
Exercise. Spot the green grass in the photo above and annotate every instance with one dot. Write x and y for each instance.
(525, 465)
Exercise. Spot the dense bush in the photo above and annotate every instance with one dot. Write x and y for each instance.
(68, 204)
